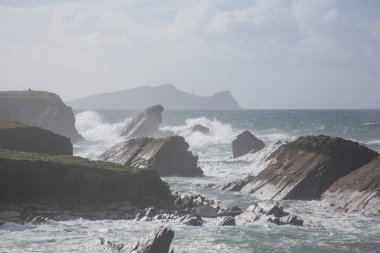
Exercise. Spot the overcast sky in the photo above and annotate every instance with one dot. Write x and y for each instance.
(269, 54)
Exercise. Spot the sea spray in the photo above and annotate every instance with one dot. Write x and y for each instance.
(99, 136)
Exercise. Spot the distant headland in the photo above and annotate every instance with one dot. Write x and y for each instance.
(167, 95)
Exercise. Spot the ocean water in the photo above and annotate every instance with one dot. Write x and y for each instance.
(329, 233)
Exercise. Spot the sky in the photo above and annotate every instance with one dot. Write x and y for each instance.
(271, 54)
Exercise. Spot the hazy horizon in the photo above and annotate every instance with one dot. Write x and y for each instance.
(269, 54)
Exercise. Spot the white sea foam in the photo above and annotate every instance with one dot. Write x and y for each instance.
(98, 134)
(219, 132)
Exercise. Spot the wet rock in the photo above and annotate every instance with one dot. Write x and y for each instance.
(36, 220)
(307, 167)
(193, 221)
(156, 242)
(246, 143)
(206, 211)
(358, 192)
(168, 156)
(233, 211)
(268, 211)
(228, 221)
(145, 124)
(200, 128)
(237, 185)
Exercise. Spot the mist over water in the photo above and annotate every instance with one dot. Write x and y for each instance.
(329, 233)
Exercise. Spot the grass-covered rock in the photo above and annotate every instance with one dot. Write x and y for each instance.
(74, 181)
(22, 137)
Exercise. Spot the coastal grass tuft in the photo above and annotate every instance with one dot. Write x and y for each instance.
(66, 160)
(11, 124)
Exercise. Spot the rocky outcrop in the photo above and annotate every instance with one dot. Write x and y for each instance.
(156, 242)
(168, 156)
(268, 211)
(17, 136)
(145, 124)
(358, 192)
(200, 128)
(246, 143)
(306, 168)
(30, 181)
(39, 108)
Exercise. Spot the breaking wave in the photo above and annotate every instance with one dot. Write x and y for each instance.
(99, 135)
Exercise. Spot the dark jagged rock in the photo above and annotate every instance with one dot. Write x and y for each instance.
(268, 211)
(233, 211)
(39, 108)
(246, 143)
(193, 221)
(168, 156)
(72, 183)
(307, 167)
(146, 124)
(18, 136)
(228, 221)
(156, 242)
(358, 192)
(200, 128)
(36, 220)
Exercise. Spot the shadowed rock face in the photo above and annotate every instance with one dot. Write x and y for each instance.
(246, 143)
(156, 242)
(74, 181)
(201, 129)
(306, 168)
(145, 124)
(39, 108)
(358, 192)
(17, 136)
(168, 156)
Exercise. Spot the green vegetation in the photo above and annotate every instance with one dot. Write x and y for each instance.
(67, 160)
(30, 94)
(326, 145)
(11, 124)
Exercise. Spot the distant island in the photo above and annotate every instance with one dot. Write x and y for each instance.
(167, 95)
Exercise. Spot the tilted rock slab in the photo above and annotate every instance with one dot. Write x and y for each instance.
(306, 168)
(358, 192)
(168, 156)
(145, 124)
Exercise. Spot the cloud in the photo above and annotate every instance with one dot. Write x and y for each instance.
(76, 48)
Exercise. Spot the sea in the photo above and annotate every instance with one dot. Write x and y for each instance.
(324, 231)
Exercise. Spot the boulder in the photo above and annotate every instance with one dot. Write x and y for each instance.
(268, 211)
(192, 221)
(306, 168)
(156, 242)
(39, 108)
(145, 124)
(200, 128)
(168, 156)
(72, 182)
(246, 143)
(358, 192)
(22, 137)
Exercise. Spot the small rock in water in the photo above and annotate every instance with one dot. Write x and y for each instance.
(228, 221)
